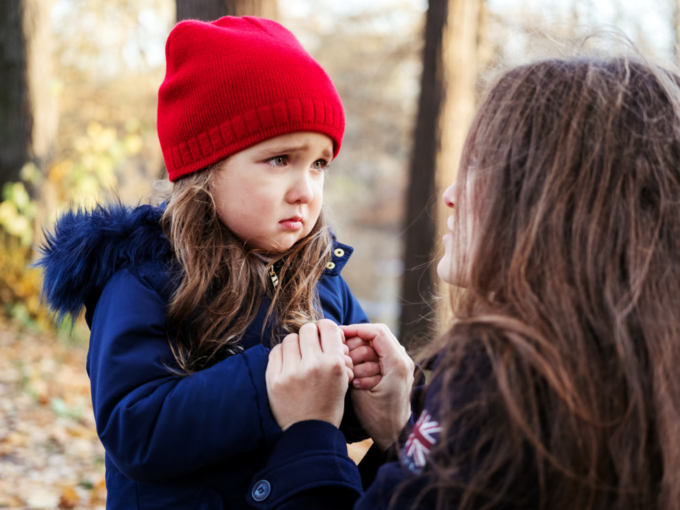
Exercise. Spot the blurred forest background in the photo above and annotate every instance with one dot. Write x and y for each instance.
(78, 85)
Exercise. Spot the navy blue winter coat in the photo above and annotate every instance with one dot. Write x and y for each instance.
(171, 442)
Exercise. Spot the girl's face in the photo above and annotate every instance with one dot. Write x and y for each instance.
(270, 194)
(454, 266)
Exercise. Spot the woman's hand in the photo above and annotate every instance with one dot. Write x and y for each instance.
(308, 375)
(384, 410)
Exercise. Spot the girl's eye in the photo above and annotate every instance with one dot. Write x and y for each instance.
(278, 161)
(320, 164)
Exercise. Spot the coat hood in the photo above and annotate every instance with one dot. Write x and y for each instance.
(86, 248)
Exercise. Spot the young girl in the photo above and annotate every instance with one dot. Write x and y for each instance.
(558, 386)
(184, 300)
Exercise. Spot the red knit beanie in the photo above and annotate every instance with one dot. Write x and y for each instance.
(236, 82)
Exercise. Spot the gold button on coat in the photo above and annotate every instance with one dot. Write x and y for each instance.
(339, 252)
(330, 265)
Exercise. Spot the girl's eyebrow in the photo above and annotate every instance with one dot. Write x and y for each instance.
(283, 149)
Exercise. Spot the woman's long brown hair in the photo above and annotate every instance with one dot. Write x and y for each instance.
(220, 281)
(567, 337)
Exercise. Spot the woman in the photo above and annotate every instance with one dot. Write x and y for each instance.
(557, 385)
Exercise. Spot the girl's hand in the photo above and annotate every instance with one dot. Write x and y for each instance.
(308, 375)
(365, 360)
(384, 410)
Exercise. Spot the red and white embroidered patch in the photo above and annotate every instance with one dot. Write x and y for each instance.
(421, 440)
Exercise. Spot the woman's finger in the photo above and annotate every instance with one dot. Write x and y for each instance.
(368, 369)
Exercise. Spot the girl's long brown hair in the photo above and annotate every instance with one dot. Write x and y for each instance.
(220, 282)
(567, 338)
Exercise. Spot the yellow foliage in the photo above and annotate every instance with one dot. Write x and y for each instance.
(17, 212)
(76, 180)
(20, 284)
(59, 171)
(133, 144)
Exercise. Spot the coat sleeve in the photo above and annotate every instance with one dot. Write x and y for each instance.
(157, 425)
(306, 474)
(309, 469)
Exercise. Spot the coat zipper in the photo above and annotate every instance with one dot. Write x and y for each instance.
(273, 277)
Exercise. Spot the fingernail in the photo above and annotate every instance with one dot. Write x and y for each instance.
(355, 383)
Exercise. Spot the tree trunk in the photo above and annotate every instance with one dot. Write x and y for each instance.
(676, 31)
(260, 8)
(444, 113)
(28, 112)
(15, 107)
(43, 102)
(209, 10)
(417, 283)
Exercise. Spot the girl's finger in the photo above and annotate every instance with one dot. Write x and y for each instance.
(367, 332)
(290, 348)
(354, 342)
(350, 374)
(349, 364)
(381, 338)
(363, 354)
(331, 336)
(369, 369)
(310, 346)
(366, 383)
(275, 362)
(345, 349)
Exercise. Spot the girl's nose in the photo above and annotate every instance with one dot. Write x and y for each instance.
(450, 195)
(301, 190)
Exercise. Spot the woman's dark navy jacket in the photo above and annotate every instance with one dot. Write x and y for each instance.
(171, 442)
(309, 468)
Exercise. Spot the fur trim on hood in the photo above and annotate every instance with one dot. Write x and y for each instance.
(86, 248)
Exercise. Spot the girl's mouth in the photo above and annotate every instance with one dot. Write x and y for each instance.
(293, 223)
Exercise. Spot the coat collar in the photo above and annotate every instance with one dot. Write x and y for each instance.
(86, 248)
(339, 257)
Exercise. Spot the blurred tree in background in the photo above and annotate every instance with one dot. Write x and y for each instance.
(15, 108)
(28, 122)
(28, 115)
(208, 10)
(77, 118)
(447, 99)
(676, 30)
